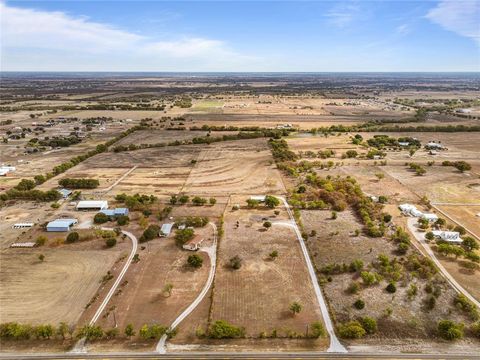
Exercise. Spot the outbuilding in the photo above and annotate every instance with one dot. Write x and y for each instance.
(449, 236)
(259, 198)
(115, 212)
(92, 205)
(65, 192)
(22, 225)
(430, 217)
(61, 225)
(166, 229)
(194, 244)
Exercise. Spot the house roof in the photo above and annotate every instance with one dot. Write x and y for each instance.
(64, 192)
(166, 228)
(197, 240)
(62, 223)
(89, 204)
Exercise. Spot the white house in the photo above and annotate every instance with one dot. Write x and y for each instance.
(416, 213)
(449, 236)
(92, 205)
(193, 244)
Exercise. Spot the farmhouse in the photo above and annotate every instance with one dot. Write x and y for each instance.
(92, 205)
(193, 244)
(406, 208)
(449, 236)
(165, 230)
(61, 225)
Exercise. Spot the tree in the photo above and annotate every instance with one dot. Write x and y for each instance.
(334, 215)
(123, 220)
(199, 201)
(173, 199)
(429, 236)
(470, 243)
(273, 255)
(25, 185)
(235, 262)
(252, 203)
(129, 331)
(317, 330)
(100, 218)
(167, 290)
(212, 201)
(41, 257)
(379, 175)
(183, 199)
(267, 225)
(183, 236)
(462, 166)
(271, 201)
(449, 330)
(460, 229)
(359, 304)
(90, 332)
(149, 233)
(111, 242)
(195, 261)
(295, 307)
(72, 237)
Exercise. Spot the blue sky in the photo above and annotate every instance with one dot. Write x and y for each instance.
(240, 35)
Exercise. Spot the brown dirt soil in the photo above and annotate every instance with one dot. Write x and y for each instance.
(257, 296)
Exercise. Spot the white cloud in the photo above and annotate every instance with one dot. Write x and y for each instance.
(343, 14)
(32, 38)
(403, 29)
(459, 16)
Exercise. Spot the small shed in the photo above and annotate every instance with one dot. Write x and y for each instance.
(259, 198)
(166, 229)
(92, 205)
(61, 225)
(194, 244)
(120, 211)
(23, 245)
(65, 192)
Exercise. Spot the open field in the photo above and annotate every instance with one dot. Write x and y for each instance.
(54, 290)
(263, 288)
(240, 167)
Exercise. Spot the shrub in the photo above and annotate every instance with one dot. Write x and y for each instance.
(353, 287)
(195, 261)
(391, 288)
(41, 240)
(369, 278)
(111, 242)
(295, 307)
(317, 330)
(351, 330)
(267, 225)
(72, 237)
(359, 304)
(199, 201)
(212, 201)
(149, 233)
(152, 331)
(90, 332)
(429, 236)
(100, 218)
(273, 255)
(183, 199)
(235, 262)
(475, 329)
(449, 330)
(369, 324)
(221, 329)
(123, 220)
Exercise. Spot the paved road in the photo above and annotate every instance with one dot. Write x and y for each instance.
(212, 253)
(242, 355)
(80, 345)
(420, 236)
(335, 345)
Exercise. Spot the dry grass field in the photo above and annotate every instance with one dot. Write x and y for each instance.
(234, 167)
(257, 296)
(142, 299)
(54, 290)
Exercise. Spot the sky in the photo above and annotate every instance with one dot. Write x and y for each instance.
(264, 36)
